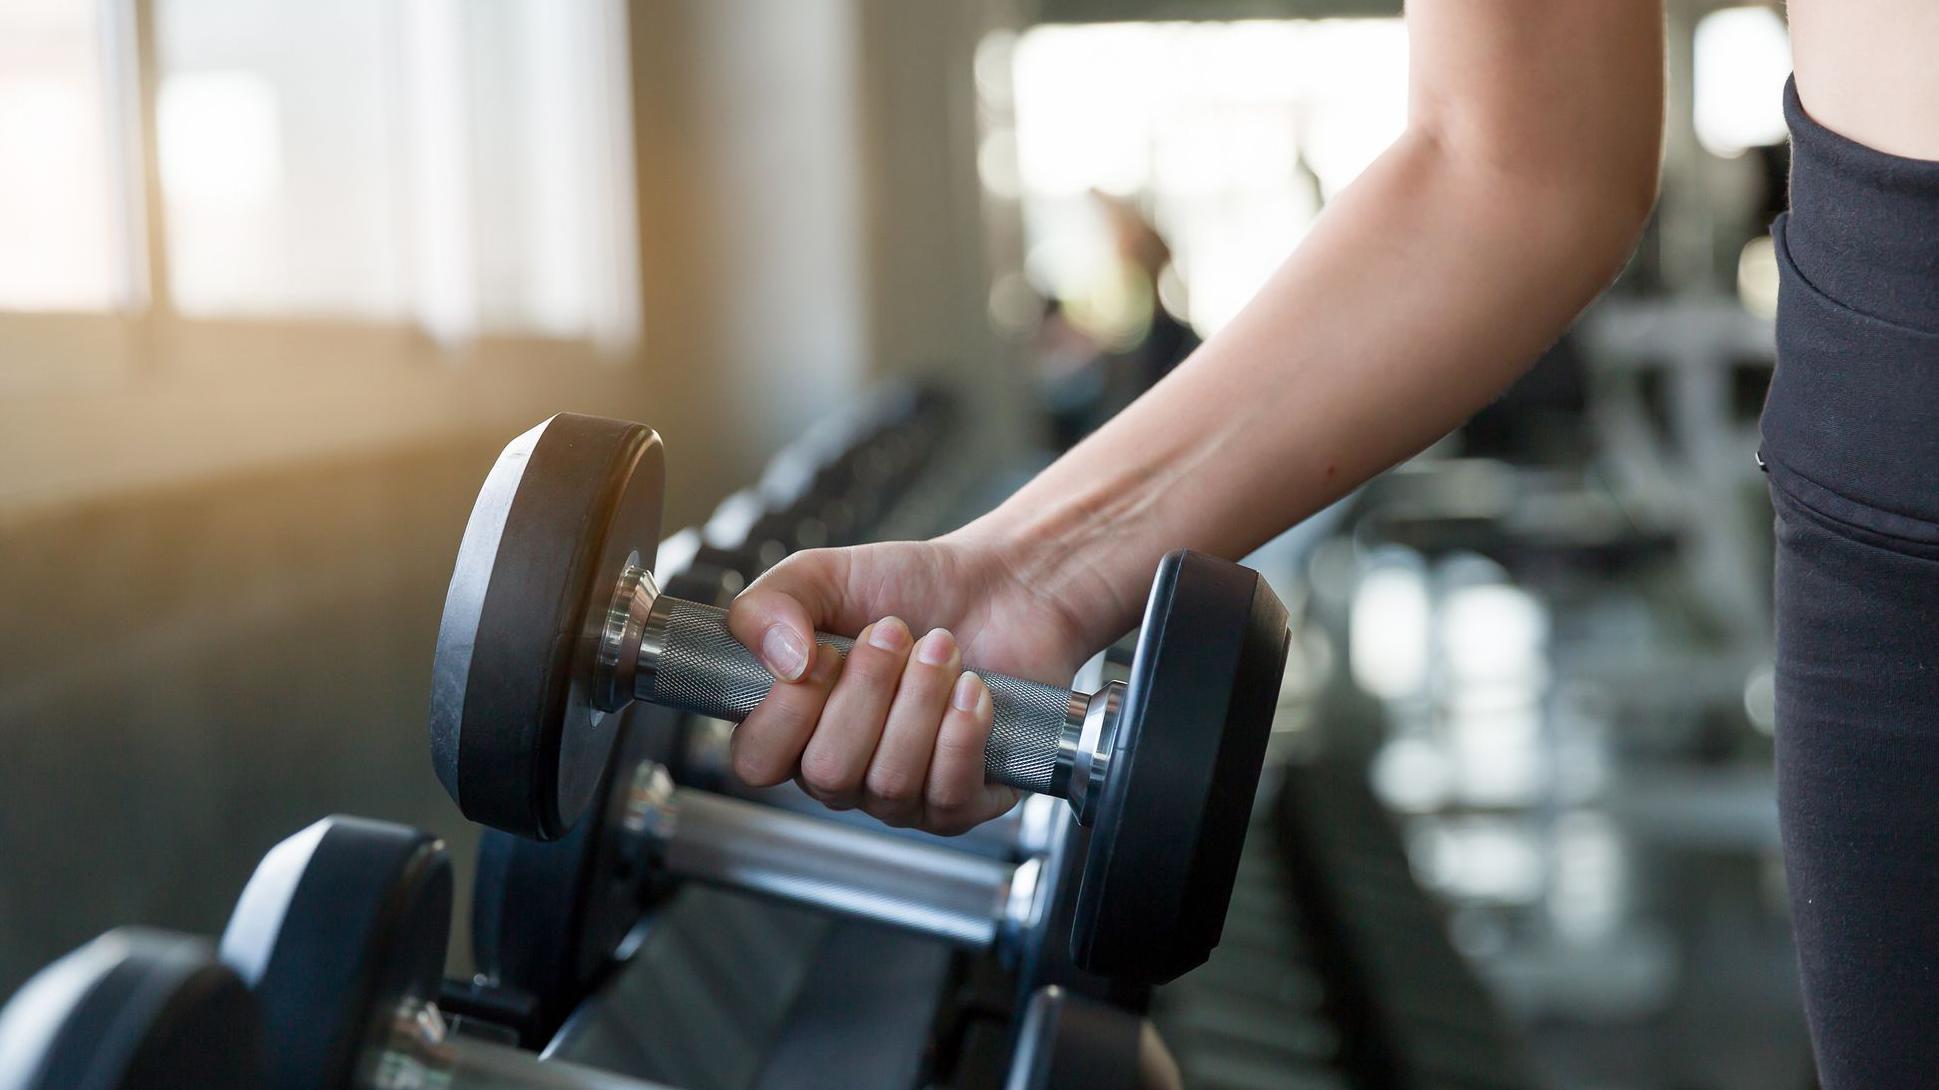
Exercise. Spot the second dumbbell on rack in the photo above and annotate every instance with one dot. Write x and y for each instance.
(548, 915)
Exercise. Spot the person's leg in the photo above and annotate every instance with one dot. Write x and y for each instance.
(1851, 441)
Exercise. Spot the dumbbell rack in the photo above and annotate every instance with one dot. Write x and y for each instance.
(1334, 971)
(1410, 1009)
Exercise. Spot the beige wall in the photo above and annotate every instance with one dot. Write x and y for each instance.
(223, 545)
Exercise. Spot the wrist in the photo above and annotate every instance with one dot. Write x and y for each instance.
(1073, 552)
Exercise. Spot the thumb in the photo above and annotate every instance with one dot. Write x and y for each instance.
(776, 618)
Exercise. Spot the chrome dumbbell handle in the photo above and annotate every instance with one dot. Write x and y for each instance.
(422, 1053)
(679, 654)
(959, 898)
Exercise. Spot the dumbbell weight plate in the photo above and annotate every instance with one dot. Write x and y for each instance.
(514, 737)
(547, 916)
(340, 926)
(1066, 1040)
(1044, 954)
(132, 1010)
(1165, 843)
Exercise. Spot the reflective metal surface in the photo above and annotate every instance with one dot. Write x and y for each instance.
(422, 1054)
(961, 898)
(617, 661)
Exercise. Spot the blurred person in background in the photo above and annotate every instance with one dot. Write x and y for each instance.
(1096, 356)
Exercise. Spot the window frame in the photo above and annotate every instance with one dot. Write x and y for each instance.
(97, 402)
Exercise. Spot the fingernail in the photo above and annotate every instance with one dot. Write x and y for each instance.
(889, 634)
(936, 648)
(785, 652)
(968, 694)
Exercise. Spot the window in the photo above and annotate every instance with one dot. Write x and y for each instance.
(463, 166)
(66, 233)
(1742, 56)
(1228, 135)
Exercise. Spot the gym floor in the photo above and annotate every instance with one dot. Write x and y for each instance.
(278, 281)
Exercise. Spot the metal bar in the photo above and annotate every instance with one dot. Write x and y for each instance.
(951, 895)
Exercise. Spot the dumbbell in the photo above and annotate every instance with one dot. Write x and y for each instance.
(547, 916)
(553, 622)
(1069, 1041)
(132, 1010)
(341, 934)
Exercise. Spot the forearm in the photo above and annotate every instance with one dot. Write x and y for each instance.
(1424, 289)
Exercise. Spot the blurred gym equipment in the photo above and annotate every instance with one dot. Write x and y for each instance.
(133, 1010)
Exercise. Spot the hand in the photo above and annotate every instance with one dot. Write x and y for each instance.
(898, 727)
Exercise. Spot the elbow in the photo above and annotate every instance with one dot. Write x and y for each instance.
(1590, 195)
(1605, 213)
(1624, 192)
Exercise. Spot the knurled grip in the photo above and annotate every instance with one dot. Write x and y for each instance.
(702, 668)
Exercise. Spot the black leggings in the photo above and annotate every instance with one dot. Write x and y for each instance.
(1851, 442)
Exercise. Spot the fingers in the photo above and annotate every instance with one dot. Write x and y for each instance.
(957, 798)
(838, 753)
(776, 618)
(766, 747)
(892, 789)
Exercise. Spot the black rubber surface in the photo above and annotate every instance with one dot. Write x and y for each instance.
(1044, 952)
(1173, 815)
(133, 1010)
(547, 917)
(513, 737)
(1066, 1041)
(340, 925)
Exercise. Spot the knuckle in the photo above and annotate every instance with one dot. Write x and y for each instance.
(948, 796)
(874, 665)
(749, 770)
(900, 815)
(963, 746)
(892, 786)
(824, 771)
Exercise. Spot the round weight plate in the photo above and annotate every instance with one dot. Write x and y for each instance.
(1184, 769)
(1044, 951)
(1067, 1040)
(546, 917)
(568, 505)
(340, 927)
(132, 1010)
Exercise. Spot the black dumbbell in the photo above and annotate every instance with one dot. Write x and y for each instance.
(132, 1010)
(341, 934)
(548, 915)
(1069, 1041)
(553, 622)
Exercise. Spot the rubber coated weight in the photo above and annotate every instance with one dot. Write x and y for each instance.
(341, 926)
(132, 1010)
(568, 505)
(547, 916)
(1044, 954)
(1068, 1041)
(1197, 713)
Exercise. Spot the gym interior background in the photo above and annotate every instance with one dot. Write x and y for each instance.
(277, 280)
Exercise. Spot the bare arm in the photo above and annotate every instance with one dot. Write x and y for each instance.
(1527, 168)
(1866, 70)
(1526, 171)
